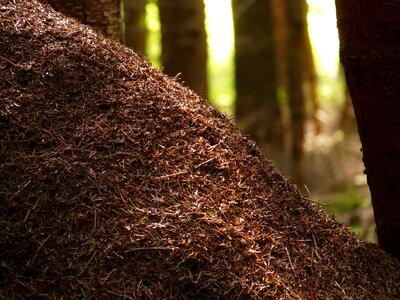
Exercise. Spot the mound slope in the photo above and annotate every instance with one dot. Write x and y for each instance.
(116, 181)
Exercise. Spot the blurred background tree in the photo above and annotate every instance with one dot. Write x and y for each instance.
(134, 19)
(104, 15)
(184, 44)
(270, 64)
(257, 110)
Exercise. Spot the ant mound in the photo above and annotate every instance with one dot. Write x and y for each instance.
(116, 181)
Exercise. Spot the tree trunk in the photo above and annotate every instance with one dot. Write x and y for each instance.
(135, 25)
(103, 15)
(257, 107)
(347, 121)
(311, 78)
(296, 12)
(184, 45)
(369, 51)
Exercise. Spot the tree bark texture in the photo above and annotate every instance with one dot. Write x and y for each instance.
(135, 24)
(257, 107)
(103, 15)
(369, 33)
(184, 45)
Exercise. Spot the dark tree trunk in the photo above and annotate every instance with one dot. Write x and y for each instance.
(184, 45)
(296, 12)
(347, 121)
(257, 107)
(369, 50)
(103, 15)
(135, 24)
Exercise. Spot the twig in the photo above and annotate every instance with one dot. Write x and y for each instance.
(170, 175)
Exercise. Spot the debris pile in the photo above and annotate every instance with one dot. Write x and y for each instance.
(116, 181)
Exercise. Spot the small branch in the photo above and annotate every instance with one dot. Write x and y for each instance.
(170, 175)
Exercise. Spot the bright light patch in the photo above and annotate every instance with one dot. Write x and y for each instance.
(219, 29)
(322, 28)
(324, 35)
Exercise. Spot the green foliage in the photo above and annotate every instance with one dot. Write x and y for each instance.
(221, 84)
(331, 90)
(346, 201)
(154, 34)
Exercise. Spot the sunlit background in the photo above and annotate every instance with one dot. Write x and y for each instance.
(338, 157)
(219, 22)
(323, 34)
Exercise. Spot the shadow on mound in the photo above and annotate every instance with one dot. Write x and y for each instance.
(117, 181)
